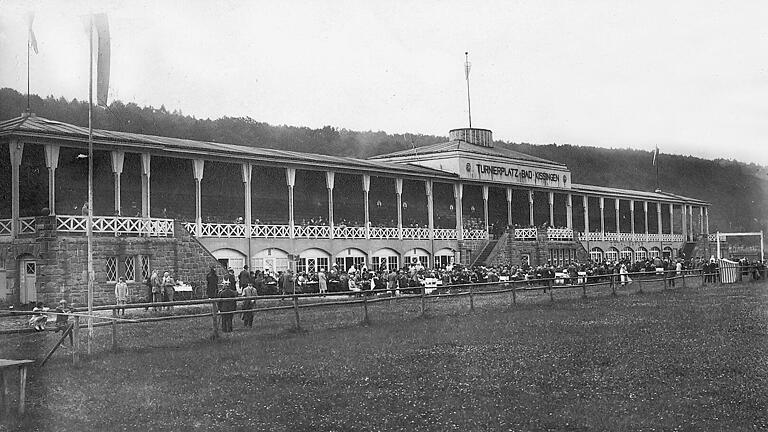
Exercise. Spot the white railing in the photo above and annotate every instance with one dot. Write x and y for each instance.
(116, 225)
(525, 234)
(654, 237)
(475, 234)
(445, 234)
(27, 225)
(388, 233)
(609, 236)
(711, 237)
(190, 226)
(222, 230)
(312, 231)
(416, 233)
(560, 234)
(345, 232)
(270, 231)
(5, 226)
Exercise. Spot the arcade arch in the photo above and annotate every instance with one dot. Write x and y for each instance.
(417, 254)
(270, 259)
(349, 257)
(230, 258)
(386, 257)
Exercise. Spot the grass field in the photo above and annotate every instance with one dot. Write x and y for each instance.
(688, 359)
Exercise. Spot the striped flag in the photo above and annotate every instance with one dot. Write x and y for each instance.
(101, 25)
(655, 155)
(32, 39)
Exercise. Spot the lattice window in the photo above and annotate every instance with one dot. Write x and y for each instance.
(145, 267)
(322, 264)
(596, 255)
(130, 268)
(654, 252)
(111, 269)
(340, 263)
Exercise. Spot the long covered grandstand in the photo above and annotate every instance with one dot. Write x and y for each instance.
(179, 205)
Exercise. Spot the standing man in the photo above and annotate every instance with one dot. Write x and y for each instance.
(157, 289)
(121, 295)
(168, 289)
(227, 306)
(212, 283)
(230, 277)
(244, 277)
(248, 291)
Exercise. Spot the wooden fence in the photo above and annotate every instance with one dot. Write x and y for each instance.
(210, 308)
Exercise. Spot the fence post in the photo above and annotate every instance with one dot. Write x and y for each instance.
(76, 342)
(551, 294)
(114, 330)
(296, 311)
(665, 280)
(471, 300)
(639, 285)
(215, 322)
(365, 308)
(682, 275)
(613, 284)
(584, 287)
(514, 293)
(423, 300)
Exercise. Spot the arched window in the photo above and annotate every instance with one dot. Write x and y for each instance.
(641, 254)
(667, 252)
(596, 254)
(654, 252)
(627, 253)
(612, 254)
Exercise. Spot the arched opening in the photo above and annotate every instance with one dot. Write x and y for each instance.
(596, 254)
(417, 255)
(385, 258)
(349, 258)
(270, 260)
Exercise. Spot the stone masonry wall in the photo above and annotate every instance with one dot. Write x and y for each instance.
(62, 262)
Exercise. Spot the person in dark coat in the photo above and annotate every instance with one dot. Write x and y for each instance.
(212, 281)
(232, 279)
(227, 306)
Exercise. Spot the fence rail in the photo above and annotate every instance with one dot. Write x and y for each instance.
(211, 308)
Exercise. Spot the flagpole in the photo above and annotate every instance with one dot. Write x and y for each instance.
(657, 169)
(90, 186)
(466, 72)
(29, 42)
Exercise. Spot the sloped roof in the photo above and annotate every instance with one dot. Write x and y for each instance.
(463, 146)
(629, 193)
(39, 127)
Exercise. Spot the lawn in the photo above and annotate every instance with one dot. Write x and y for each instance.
(688, 359)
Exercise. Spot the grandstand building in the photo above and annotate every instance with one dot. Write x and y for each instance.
(180, 205)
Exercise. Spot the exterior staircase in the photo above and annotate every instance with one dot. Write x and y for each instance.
(489, 251)
(687, 250)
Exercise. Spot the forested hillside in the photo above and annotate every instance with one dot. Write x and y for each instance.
(738, 191)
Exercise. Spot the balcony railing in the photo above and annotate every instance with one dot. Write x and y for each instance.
(560, 234)
(386, 233)
(222, 230)
(5, 226)
(270, 231)
(475, 234)
(27, 225)
(629, 237)
(445, 234)
(345, 232)
(526, 234)
(416, 233)
(312, 231)
(116, 225)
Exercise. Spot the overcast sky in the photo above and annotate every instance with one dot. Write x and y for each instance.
(688, 76)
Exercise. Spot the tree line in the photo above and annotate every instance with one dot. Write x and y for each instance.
(738, 191)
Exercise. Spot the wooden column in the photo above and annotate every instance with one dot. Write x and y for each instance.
(551, 198)
(658, 217)
(329, 183)
(458, 195)
(602, 217)
(366, 206)
(399, 193)
(645, 215)
(145, 183)
(632, 217)
(247, 171)
(586, 214)
(701, 220)
(118, 159)
(430, 210)
(530, 208)
(52, 162)
(671, 218)
(618, 219)
(290, 179)
(706, 220)
(509, 206)
(198, 166)
(485, 210)
(569, 211)
(16, 149)
(683, 211)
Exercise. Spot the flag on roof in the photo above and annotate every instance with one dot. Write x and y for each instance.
(655, 155)
(101, 25)
(32, 39)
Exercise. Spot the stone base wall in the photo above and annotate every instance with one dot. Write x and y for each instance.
(513, 251)
(62, 262)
